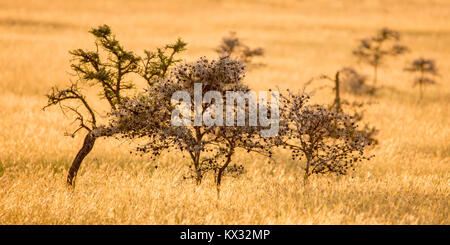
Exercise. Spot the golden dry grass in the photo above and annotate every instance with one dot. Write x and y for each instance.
(406, 183)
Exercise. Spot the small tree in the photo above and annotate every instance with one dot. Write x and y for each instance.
(353, 82)
(424, 67)
(328, 140)
(344, 77)
(232, 46)
(209, 146)
(373, 50)
(230, 139)
(106, 67)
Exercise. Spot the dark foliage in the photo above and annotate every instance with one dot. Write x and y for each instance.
(374, 50)
(426, 68)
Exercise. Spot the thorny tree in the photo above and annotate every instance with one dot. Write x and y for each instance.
(232, 46)
(328, 140)
(209, 146)
(374, 50)
(424, 67)
(107, 67)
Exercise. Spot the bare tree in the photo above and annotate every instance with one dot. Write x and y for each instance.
(424, 67)
(375, 49)
(233, 46)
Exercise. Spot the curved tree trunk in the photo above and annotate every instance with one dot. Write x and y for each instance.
(88, 144)
(221, 171)
(219, 177)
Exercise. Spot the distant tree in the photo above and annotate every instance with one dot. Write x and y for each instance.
(424, 67)
(233, 46)
(327, 139)
(353, 82)
(373, 50)
(107, 67)
(348, 76)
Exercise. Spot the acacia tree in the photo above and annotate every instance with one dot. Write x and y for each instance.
(233, 46)
(208, 143)
(328, 140)
(374, 50)
(107, 68)
(424, 67)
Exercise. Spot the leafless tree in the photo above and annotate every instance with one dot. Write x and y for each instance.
(234, 47)
(425, 68)
(375, 49)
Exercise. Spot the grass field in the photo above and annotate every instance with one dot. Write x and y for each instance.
(408, 181)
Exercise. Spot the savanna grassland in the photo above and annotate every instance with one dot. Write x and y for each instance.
(407, 182)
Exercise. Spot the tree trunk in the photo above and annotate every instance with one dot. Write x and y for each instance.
(375, 76)
(198, 170)
(222, 170)
(219, 180)
(219, 176)
(305, 179)
(337, 96)
(307, 171)
(420, 84)
(196, 156)
(88, 144)
(198, 176)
